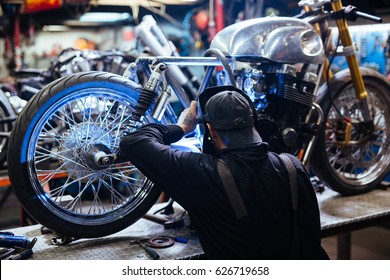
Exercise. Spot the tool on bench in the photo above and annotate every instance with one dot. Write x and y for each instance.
(151, 252)
(9, 240)
(181, 240)
(161, 242)
(23, 253)
(5, 253)
(158, 242)
(167, 209)
(62, 239)
(18, 247)
(58, 239)
(166, 220)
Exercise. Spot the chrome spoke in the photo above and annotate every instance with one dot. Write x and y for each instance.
(89, 120)
(362, 156)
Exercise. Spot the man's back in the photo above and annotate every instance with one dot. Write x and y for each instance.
(192, 180)
(263, 184)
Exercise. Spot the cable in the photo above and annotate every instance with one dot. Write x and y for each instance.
(224, 61)
(327, 82)
(163, 14)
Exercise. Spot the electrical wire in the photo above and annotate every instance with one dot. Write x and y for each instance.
(328, 84)
(159, 24)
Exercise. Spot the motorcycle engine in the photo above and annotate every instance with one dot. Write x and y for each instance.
(283, 95)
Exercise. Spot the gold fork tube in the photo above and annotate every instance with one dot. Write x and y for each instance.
(346, 40)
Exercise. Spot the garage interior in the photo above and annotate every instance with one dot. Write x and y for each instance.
(353, 227)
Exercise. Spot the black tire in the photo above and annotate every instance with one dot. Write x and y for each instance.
(6, 112)
(361, 165)
(89, 200)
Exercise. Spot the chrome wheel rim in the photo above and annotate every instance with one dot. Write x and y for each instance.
(361, 160)
(73, 125)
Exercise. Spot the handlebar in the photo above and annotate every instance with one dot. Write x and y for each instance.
(369, 17)
(351, 13)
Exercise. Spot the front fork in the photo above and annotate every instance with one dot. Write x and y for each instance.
(350, 55)
(356, 76)
(344, 124)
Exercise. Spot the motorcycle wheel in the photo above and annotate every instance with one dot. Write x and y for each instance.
(63, 186)
(364, 162)
(6, 112)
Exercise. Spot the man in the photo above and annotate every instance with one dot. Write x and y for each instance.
(192, 179)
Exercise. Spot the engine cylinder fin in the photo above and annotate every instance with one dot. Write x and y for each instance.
(292, 93)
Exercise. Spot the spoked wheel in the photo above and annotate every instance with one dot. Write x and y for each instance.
(354, 160)
(67, 179)
(7, 118)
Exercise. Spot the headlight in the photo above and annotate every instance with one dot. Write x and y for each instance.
(311, 43)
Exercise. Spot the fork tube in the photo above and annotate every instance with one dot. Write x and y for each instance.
(346, 40)
(353, 65)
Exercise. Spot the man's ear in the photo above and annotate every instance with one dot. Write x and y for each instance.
(211, 130)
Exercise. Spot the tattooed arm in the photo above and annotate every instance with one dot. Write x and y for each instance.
(187, 119)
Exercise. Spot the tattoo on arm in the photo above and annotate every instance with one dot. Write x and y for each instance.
(188, 120)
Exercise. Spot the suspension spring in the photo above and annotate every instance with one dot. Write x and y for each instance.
(145, 100)
(149, 93)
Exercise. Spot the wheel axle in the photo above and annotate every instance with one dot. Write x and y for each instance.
(99, 157)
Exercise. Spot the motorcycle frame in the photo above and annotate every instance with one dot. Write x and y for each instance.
(211, 63)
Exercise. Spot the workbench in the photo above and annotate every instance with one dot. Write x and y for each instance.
(339, 216)
(117, 246)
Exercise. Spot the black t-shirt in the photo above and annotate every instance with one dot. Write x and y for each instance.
(193, 181)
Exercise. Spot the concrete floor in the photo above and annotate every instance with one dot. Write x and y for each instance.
(367, 244)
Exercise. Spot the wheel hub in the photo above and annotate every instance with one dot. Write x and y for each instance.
(84, 150)
(98, 157)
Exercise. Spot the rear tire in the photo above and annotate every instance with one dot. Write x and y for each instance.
(57, 135)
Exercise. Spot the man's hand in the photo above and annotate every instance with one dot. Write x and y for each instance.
(188, 118)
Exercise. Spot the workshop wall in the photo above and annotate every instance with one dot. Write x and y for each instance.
(49, 43)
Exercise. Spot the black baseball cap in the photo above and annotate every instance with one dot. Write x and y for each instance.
(231, 112)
